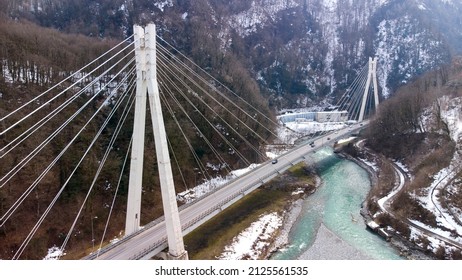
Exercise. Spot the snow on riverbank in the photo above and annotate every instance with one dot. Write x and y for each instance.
(371, 164)
(251, 242)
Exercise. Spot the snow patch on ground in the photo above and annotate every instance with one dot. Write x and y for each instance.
(297, 192)
(404, 168)
(293, 130)
(252, 241)
(271, 154)
(209, 185)
(54, 253)
(346, 140)
(429, 200)
(114, 241)
(438, 231)
(417, 237)
(447, 2)
(313, 127)
(260, 12)
(287, 136)
(162, 4)
(398, 36)
(371, 164)
(451, 114)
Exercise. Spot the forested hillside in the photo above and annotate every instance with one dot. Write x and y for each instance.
(35, 56)
(33, 60)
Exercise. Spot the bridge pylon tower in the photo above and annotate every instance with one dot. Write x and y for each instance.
(147, 90)
(371, 77)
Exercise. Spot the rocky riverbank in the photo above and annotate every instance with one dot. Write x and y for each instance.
(329, 246)
(290, 217)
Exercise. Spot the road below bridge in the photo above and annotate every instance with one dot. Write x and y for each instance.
(152, 239)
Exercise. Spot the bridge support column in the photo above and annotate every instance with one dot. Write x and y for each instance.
(132, 220)
(374, 80)
(169, 257)
(146, 59)
(371, 77)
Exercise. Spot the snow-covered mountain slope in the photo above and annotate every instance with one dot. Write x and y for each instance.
(442, 197)
(298, 50)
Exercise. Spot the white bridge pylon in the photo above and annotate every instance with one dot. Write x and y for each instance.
(371, 76)
(147, 88)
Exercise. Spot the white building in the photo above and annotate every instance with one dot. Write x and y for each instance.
(333, 116)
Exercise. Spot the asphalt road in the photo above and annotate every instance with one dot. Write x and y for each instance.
(152, 239)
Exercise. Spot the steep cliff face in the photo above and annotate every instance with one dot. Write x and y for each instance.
(406, 48)
(298, 50)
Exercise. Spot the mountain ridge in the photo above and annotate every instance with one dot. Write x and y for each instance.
(299, 51)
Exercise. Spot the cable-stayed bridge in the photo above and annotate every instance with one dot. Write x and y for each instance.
(101, 97)
(141, 246)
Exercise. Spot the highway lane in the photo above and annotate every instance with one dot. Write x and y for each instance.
(152, 239)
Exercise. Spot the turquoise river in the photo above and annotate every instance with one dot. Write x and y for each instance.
(336, 205)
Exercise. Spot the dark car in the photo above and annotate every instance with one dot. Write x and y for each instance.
(274, 161)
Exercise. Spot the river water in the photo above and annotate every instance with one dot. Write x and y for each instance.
(336, 205)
